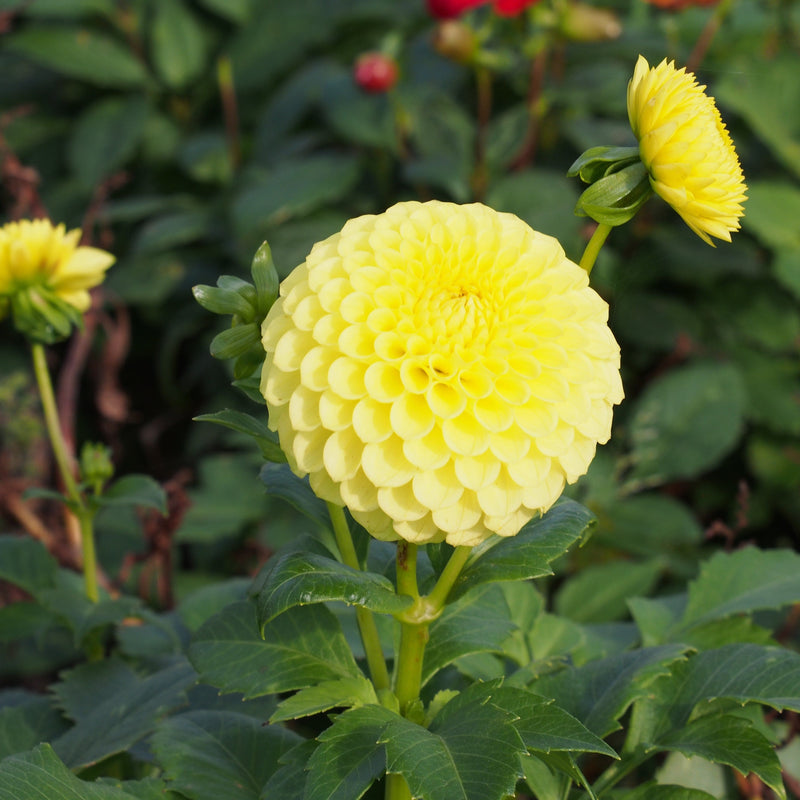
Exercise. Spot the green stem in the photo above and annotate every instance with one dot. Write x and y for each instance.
(407, 569)
(593, 248)
(366, 622)
(84, 514)
(438, 597)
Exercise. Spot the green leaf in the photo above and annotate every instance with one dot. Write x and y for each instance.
(288, 781)
(145, 789)
(265, 278)
(26, 722)
(104, 138)
(246, 423)
(300, 578)
(26, 563)
(295, 187)
(728, 740)
(282, 482)
(178, 43)
(476, 623)
(597, 162)
(544, 726)
(655, 791)
(471, 752)
(530, 552)
(743, 581)
(223, 301)
(80, 53)
(113, 707)
(685, 422)
(302, 647)
(235, 341)
(22, 618)
(598, 593)
(40, 775)
(598, 692)
(237, 11)
(344, 693)
(769, 100)
(350, 755)
(208, 755)
(135, 490)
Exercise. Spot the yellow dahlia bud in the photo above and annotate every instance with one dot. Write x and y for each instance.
(441, 370)
(35, 254)
(686, 148)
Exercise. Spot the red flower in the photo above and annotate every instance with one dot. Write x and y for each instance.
(450, 9)
(375, 72)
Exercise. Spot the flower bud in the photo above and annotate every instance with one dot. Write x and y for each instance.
(375, 72)
(455, 40)
(584, 23)
(95, 464)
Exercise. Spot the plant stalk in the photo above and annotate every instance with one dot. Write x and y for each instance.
(593, 247)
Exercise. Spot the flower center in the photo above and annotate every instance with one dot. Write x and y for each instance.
(459, 312)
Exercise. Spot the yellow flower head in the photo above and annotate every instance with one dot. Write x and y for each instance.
(686, 148)
(442, 370)
(35, 254)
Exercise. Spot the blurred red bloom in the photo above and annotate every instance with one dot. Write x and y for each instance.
(375, 72)
(450, 9)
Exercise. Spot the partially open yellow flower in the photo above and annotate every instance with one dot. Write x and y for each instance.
(35, 254)
(686, 148)
(442, 370)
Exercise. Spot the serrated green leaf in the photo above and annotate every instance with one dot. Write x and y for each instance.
(545, 783)
(80, 53)
(135, 490)
(26, 563)
(476, 623)
(598, 692)
(685, 422)
(743, 581)
(113, 707)
(21, 619)
(223, 301)
(178, 43)
(104, 138)
(234, 341)
(728, 740)
(30, 720)
(145, 789)
(300, 578)
(471, 752)
(302, 647)
(350, 756)
(288, 781)
(208, 755)
(40, 775)
(530, 552)
(344, 693)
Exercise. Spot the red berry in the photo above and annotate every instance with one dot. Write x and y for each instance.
(375, 72)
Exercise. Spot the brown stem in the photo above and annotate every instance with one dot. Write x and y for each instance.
(527, 151)
(480, 178)
(707, 36)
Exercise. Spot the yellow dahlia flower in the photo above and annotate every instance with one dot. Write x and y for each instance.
(35, 254)
(686, 148)
(441, 370)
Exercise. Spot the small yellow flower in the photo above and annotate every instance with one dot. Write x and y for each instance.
(441, 370)
(36, 255)
(686, 148)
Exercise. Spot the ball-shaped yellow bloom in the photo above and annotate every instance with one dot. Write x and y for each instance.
(686, 148)
(441, 370)
(35, 253)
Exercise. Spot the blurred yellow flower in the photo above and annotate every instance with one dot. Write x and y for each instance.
(686, 148)
(441, 370)
(36, 255)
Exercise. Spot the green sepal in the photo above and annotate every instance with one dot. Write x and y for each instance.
(266, 279)
(42, 316)
(235, 341)
(224, 301)
(597, 162)
(248, 363)
(616, 197)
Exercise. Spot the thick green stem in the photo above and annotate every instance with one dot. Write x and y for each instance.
(396, 787)
(438, 597)
(85, 515)
(593, 248)
(366, 622)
